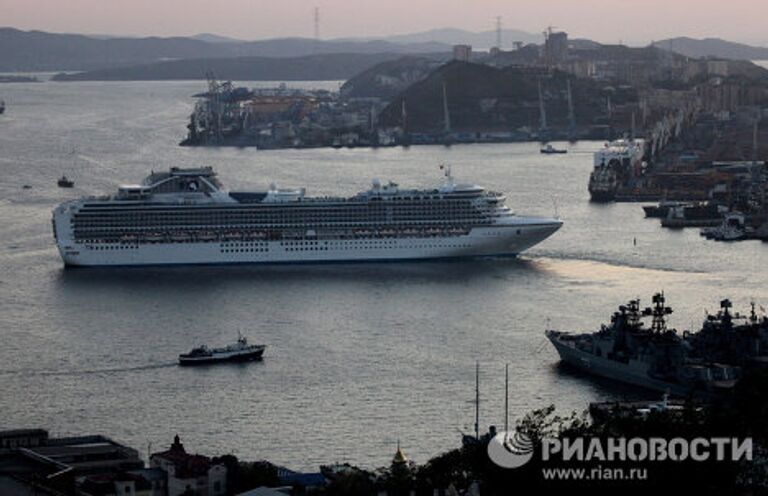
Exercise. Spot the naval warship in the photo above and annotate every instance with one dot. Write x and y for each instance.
(655, 357)
(731, 337)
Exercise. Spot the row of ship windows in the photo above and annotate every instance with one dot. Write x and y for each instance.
(246, 244)
(84, 230)
(286, 209)
(275, 213)
(328, 211)
(114, 247)
(300, 243)
(295, 248)
(301, 218)
(377, 216)
(342, 246)
(281, 210)
(95, 238)
(329, 201)
(261, 222)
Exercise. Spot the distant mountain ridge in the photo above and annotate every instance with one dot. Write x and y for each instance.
(713, 47)
(323, 67)
(215, 38)
(26, 51)
(454, 36)
(41, 51)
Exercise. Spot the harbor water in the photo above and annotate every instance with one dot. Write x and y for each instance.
(358, 356)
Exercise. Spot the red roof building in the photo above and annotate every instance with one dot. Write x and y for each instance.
(190, 474)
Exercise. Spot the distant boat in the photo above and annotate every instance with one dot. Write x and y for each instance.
(550, 150)
(661, 210)
(65, 182)
(2, 106)
(240, 351)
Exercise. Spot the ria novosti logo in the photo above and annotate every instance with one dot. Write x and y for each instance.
(510, 449)
(515, 449)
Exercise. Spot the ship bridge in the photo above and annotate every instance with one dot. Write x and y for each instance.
(176, 182)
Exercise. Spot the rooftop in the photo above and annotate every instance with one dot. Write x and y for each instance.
(187, 465)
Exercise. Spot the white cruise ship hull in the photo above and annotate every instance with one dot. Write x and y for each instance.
(498, 240)
(184, 217)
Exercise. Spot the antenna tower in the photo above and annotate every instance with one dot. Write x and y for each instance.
(317, 23)
(498, 32)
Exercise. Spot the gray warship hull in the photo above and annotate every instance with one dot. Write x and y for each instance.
(633, 372)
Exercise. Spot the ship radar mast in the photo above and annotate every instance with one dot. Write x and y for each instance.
(632, 310)
(725, 314)
(659, 311)
(752, 313)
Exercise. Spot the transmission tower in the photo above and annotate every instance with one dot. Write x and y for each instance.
(498, 32)
(317, 23)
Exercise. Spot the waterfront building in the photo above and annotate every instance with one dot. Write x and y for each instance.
(191, 474)
(89, 454)
(116, 484)
(23, 438)
(33, 463)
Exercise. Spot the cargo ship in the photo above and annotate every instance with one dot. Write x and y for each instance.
(614, 164)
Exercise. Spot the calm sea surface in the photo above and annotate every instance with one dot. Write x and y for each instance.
(359, 355)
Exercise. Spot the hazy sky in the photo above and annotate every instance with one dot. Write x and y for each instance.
(633, 21)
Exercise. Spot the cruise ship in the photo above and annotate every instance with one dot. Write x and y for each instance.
(185, 216)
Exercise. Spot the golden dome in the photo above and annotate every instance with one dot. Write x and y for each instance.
(399, 457)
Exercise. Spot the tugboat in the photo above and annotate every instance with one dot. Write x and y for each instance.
(65, 182)
(241, 351)
(661, 210)
(733, 228)
(548, 149)
(694, 215)
(654, 358)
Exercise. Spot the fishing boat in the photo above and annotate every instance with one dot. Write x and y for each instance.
(240, 351)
